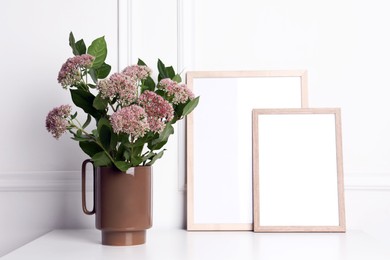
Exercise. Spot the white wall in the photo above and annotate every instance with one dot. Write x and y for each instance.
(35, 169)
(342, 44)
(344, 47)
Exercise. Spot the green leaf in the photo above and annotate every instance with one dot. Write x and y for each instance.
(155, 158)
(158, 143)
(168, 130)
(101, 159)
(161, 92)
(135, 159)
(190, 106)
(100, 103)
(174, 120)
(105, 136)
(114, 140)
(124, 138)
(122, 165)
(74, 115)
(95, 133)
(72, 44)
(84, 100)
(90, 148)
(148, 156)
(82, 138)
(98, 49)
(87, 121)
(138, 150)
(162, 70)
(119, 154)
(170, 72)
(139, 142)
(103, 71)
(141, 62)
(93, 73)
(126, 154)
(179, 110)
(148, 84)
(122, 148)
(80, 47)
(103, 121)
(82, 86)
(177, 78)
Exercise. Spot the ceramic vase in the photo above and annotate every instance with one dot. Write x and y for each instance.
(122, 203)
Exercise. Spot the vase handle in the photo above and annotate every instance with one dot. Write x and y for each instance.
(83, 173)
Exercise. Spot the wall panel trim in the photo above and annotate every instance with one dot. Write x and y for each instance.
(71, 181)
(367, 181)
(43, 181)
(185, 62)
(124, 33)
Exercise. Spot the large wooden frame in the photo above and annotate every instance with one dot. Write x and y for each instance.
(298, 172)
(219, 143)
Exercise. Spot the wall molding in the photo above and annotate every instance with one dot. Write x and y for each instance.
(367, 181)
(70, 181)
(45, 181)
(181, 146)
(124, 33)
(185, 62)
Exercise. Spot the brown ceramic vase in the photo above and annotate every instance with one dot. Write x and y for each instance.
(122, 204)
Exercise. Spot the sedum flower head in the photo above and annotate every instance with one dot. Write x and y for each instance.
(180, 93)
(56, 122)
(70, 72)
(131, 120)
(166, 84)
(137, 72)
(159, 110)
(106, 89)
(119, 86)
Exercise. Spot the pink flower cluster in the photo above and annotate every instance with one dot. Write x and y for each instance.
(138, 72)
(124, 86)
(159, 110)
(119, 86)
(131, 120)
(70, 72)
(180, 92)
(56, 122)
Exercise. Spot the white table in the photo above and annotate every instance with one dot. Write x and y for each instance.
(181, 244)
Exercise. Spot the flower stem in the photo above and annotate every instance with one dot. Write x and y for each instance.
(95, 140)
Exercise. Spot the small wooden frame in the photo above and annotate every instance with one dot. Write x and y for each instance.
(298, 172)
(219, 141)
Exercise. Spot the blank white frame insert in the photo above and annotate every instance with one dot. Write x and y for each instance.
(298, 175)
(219, 141)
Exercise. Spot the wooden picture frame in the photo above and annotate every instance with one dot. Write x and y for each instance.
(219, 141)
(298, 171)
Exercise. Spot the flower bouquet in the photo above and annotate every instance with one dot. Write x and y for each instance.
(133, 113)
